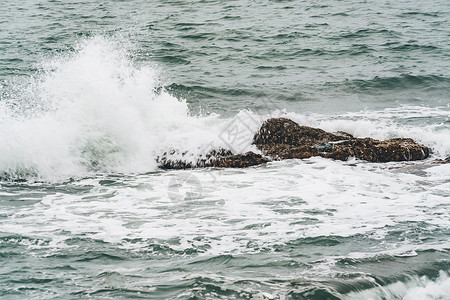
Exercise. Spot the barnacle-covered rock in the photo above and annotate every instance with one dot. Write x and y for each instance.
(219, 158)
(281, 138)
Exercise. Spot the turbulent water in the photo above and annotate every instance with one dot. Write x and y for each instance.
(91, 93)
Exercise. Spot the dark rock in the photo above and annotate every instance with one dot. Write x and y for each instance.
(238, 161)
(284, 131)
(401, 149)
(220, 158)
(442, 161)
(282, 138)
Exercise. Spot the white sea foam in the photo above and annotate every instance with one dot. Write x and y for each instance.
(282, 202)
(416, 288)
(254, 210)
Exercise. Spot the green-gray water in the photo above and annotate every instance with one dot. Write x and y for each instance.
(92, 92)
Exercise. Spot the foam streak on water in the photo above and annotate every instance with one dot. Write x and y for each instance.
(326, 218)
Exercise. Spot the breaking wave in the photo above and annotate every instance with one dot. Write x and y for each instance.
(95, 110)
(92, 110)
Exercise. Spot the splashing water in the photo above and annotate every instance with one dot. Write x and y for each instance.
(92, 110)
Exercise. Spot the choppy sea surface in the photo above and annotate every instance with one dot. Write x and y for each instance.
(92, 92)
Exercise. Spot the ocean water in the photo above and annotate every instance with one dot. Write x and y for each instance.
(91, 93)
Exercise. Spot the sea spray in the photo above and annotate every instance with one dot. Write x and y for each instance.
(92, 110)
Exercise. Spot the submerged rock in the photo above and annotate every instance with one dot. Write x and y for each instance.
(281, 138)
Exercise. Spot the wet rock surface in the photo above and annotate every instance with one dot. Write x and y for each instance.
(282, 138)
(220, 158)
(442, 161)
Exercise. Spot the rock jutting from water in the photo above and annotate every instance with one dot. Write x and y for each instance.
(281, 138)
(220, 158)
